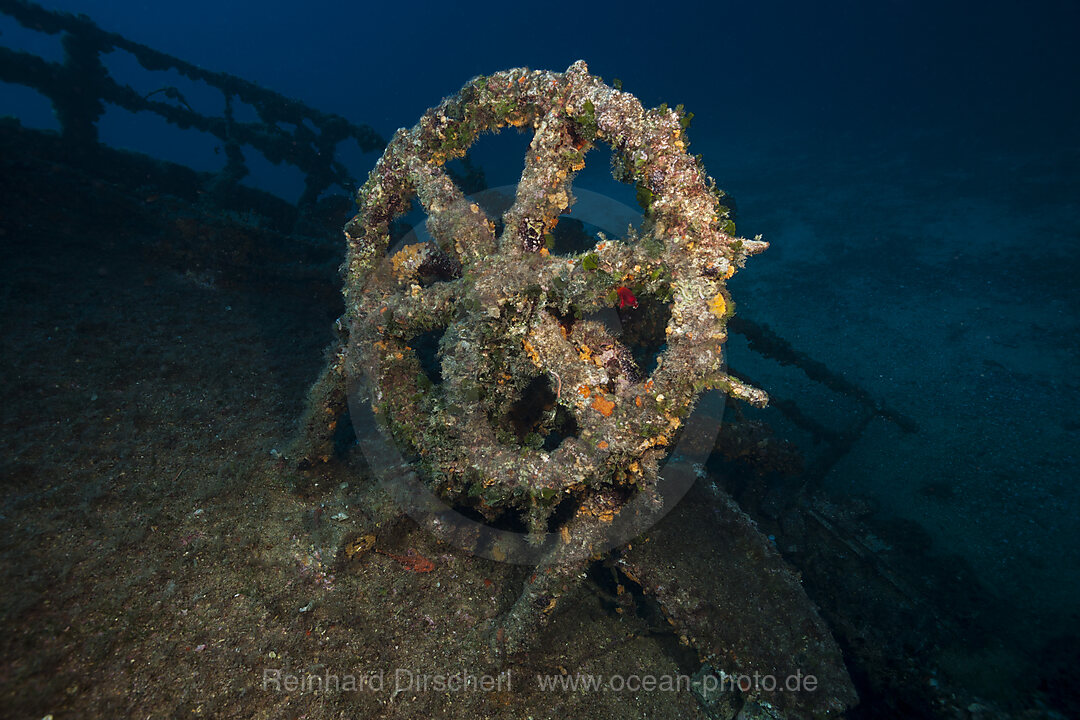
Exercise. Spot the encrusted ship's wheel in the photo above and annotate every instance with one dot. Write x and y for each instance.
(510, 315)
(509, 310)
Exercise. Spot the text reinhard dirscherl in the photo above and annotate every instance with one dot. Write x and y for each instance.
(399, 681)
(402, 680)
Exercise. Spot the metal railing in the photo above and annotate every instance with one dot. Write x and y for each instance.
(287, 131)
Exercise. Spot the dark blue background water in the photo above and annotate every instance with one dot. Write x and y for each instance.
(752, 71)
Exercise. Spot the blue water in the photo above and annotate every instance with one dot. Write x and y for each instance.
(915, 165)
(752, 72)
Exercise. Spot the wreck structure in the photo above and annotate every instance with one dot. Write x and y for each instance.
(510, 316)
(487, 355)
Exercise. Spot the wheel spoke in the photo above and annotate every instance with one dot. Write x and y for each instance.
(460, 227)
(543, 193)
(406, 312)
